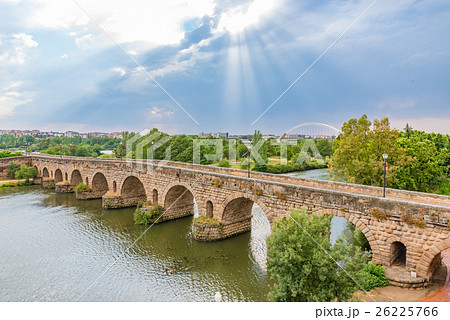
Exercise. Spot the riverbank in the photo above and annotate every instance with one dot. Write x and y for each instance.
(11, 183)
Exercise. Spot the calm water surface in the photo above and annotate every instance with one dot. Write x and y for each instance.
(54, 247)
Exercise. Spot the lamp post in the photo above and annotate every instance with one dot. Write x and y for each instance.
(248, 166)
(385, 157)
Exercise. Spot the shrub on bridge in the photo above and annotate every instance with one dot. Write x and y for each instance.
(148, 215)
(208, 221)
(81, 187)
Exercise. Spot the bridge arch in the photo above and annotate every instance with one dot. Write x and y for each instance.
(45, 173)
(99, 184)
(133, 191)
(373, 242)
(178, 200)
(245, 198)
(425, 267)
(75, 178)
(58, 175)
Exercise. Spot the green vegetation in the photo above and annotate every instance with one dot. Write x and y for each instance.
(371, 276)
(81, 187)
(301, 260)
(355, 238)
(208, 221)
(148, 214)
(417, 161)
(21, 172)
(224, 163)
(6, 154)
(76, 146)
(25, 172)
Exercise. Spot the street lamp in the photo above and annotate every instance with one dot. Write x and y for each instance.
(385, 168)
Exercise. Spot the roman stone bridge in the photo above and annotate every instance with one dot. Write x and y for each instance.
(407, 230)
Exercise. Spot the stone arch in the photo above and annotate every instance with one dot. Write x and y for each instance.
(75, 178)
(178, 200)
(247, 196)
(374, 246)
(66, 177)
(425, 266)
(87, 181)
(209, 209)
(99, 184)
(236, 213)
(45, 173)
(155, 196)
(37, 170)
(398, 253)
(114, 186)
(58, 175)
(132, 191)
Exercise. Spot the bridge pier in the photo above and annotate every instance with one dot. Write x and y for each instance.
(48, 183)
(216, 230)
(89, 195)
(64, 187)
(116, 201)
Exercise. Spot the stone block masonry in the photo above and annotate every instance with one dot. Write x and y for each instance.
(410, 228)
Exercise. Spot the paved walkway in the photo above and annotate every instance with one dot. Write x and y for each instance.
(443, 294)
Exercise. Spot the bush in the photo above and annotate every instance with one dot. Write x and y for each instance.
(208, 221)
(25, 172)
(149, 215)
(373, 275)
(7, 154)
(81, 187)
(224, 163)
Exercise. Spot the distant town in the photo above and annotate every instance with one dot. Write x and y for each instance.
(119, 135)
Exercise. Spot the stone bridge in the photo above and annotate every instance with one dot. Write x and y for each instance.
(406, 230)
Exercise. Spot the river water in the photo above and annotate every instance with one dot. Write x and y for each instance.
(55, 248)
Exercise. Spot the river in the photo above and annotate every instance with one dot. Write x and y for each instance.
(55, 248)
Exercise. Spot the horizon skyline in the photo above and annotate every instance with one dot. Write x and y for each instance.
(222, 65)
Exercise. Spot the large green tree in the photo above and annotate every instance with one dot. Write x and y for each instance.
(359, 149)
(305, 266)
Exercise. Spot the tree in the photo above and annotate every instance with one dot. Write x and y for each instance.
(301, 260)
(358, 153)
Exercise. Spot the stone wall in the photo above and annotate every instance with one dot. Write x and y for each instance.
(4, 163)
(231, 194)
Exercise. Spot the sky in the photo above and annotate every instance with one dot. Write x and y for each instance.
(191, 66)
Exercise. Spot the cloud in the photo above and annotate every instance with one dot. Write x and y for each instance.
(64, 56)
(159, 113)
(238, 18)
(14, 48)
(85, 41)
(153, 22)
(11, 98)
(395, 103)
(119, 70)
